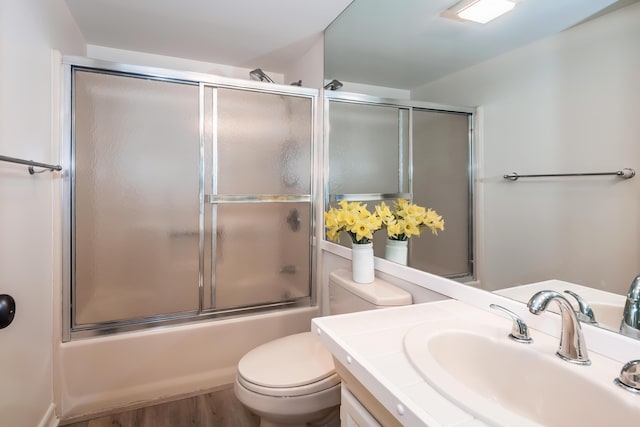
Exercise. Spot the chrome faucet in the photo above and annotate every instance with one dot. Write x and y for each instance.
(572, 346)
(584, 312)
(629, 378)
(630, 325)
(519, 329)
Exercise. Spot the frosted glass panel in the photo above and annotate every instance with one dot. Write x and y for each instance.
(441, 153)
(368, 149)
(264, 143)
(136, 197)
(262, 253)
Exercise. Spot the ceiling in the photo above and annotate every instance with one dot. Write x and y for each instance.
(400, 44)
(405, 44)
(241, 33)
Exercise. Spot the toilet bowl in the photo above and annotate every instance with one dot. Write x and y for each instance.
(291, 381)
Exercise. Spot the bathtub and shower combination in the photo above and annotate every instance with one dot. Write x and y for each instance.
(188, 197)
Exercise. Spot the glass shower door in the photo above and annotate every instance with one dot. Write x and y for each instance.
(441, 180)
(135, 198)
(185, 200)
(261, 198)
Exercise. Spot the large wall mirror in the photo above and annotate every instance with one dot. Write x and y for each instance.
(382, 150)
(556, 90)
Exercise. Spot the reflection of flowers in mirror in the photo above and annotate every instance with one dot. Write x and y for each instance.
(355, 219)
(408, 219)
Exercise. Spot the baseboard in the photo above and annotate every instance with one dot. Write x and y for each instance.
(50, 419)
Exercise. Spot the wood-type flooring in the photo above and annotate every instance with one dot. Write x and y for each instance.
(216, 409)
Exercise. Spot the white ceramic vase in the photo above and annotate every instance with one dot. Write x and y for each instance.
(362, 262)
(396, 251)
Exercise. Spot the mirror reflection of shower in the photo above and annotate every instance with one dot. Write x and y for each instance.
(377, 153)
(260, 75)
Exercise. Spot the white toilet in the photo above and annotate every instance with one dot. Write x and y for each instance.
(291, 381)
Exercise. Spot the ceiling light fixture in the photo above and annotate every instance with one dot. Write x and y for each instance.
(481, 11)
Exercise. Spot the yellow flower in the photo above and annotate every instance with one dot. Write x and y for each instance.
(410, 227)
(393, 229)
(361, 229)
(362, 211)
(333, 234)
(408, 219)
(414, 211)
(375, 223)
(347, 217)
(331, 218)
(404, 221)
(384, 213)
(355, 219)
(433, 221)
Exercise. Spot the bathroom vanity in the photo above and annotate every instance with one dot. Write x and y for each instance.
(449, 363)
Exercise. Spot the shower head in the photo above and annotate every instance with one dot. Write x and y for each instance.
(333, 85)
(258, 74)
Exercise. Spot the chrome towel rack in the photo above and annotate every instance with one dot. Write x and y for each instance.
(45, 166)
(625, 173)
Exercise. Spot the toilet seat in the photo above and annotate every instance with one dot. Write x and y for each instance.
(294, 365)
(315, 387)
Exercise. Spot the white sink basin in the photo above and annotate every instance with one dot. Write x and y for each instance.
(506, 383)
(608, 315)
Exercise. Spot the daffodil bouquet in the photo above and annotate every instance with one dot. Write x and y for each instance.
(355, 219)
(407, 219)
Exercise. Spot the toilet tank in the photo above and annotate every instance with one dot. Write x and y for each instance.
(347, 296)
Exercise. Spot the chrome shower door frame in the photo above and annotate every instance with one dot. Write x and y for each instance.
(203, 81)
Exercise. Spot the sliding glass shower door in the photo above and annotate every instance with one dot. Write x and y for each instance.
(136, 203)
(187, 200)
(260, 204)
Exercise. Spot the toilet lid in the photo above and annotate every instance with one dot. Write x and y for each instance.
(330, 384)
(292, 361)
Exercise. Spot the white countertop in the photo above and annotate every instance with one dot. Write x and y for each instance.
(370, 345)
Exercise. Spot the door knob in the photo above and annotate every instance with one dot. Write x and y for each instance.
(7, 310)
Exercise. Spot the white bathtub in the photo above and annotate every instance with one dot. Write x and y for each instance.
(94, 375)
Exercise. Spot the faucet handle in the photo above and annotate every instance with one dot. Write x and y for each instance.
(584, 313)
(519, 330)
(629, 378)
(630, 325)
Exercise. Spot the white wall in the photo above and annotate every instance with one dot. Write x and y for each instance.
(181, 64)
(309, 68)
(379, 91)
(568, 103)
(29, 30)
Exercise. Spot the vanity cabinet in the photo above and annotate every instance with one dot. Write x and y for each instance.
(359, 407)
(353, 413)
